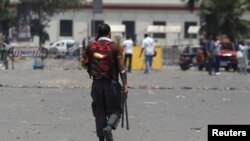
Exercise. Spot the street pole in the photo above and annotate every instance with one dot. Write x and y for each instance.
(93, 24)
(97, 8)
(1, 17)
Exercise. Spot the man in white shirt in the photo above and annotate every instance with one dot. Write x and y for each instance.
(243, 60)
(128, 47)
(217, 56)
(148, 49)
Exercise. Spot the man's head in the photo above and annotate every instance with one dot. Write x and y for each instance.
(145, 35)
(103, 30)
(127, 37)
(241, 42)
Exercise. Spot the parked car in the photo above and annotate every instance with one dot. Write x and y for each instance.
(187, 58)
(228, 56)
(62, 46)
(74, 52)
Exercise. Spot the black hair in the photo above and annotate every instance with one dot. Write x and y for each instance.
(241, 42)
(103, 30)
(128, 37)
(145, 35)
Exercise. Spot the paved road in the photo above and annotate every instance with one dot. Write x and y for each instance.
(168, 105)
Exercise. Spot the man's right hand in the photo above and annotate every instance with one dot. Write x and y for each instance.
(125, 92)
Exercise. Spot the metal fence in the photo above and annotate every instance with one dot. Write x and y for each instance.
(170, 55)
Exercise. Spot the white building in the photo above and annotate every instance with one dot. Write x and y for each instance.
(135, 15)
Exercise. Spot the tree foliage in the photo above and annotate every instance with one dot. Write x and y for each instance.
(7, 18)
(225, 17)
(42, 10)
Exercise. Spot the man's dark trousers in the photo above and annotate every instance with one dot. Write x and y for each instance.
(210, 63)
(217, 63)
(106, 95)
(129, 58)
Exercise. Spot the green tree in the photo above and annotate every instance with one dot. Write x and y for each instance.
(42, 10)
(7, 18)
(225, 17)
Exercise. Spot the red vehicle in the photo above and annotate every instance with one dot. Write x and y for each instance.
(227, 55)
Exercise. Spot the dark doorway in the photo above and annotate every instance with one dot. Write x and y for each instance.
(94, 26)
(130, 29)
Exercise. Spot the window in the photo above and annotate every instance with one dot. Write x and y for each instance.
(66, 28)
(159, 35)
(94, 26)
(186, 26)
(130, 29)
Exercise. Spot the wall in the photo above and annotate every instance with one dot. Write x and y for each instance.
(143, 18)
(142, 1)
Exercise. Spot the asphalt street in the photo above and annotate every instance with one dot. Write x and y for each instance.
(168, 105)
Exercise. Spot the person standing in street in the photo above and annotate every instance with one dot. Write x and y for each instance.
(148, 48)
(243, 59)
(128, 46)
(217, 56)
(105, 63)
(210, 47)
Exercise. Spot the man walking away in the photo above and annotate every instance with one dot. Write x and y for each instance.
(128, 46)
(105, 63)
(210, 46)
(148, 49)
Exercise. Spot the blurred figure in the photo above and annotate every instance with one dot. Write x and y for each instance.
(84, 43)
(7, 40)
(243, 58)
(148, 49)
(128, 46)
(217, 56)
(210, 47)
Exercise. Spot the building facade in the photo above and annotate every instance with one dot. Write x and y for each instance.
(135, 16)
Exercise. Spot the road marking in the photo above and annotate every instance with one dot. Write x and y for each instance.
(150, 102)
(65, 118)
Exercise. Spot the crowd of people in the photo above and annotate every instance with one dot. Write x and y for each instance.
(212, 49)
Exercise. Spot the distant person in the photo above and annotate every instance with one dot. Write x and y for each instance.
(104, 61)
(128, 47)
(3, 51)
(217, 56)
(83, 43)
(243, 59)
(210, 47)
(148, 49)
(7, 40)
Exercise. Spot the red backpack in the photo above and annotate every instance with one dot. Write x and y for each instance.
(100, 60)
